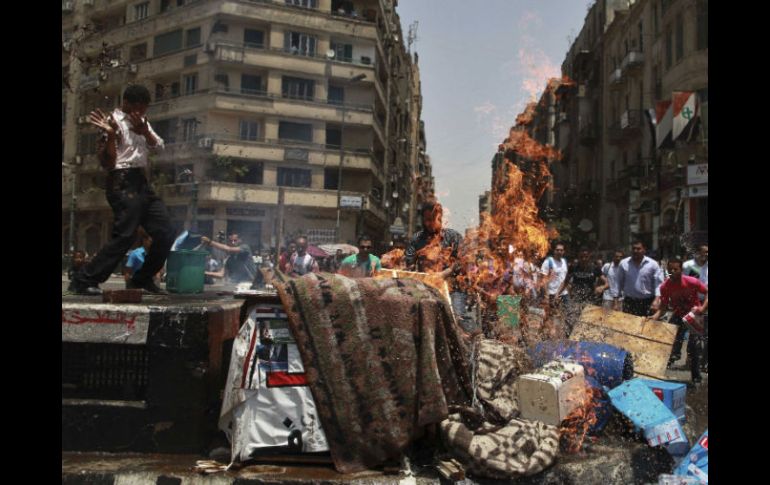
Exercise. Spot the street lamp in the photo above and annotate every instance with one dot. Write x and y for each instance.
(352, 80)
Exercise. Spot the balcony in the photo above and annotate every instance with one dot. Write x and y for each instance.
(227, 192)
(629, 127)
(260, 102)
(616, 78)
(280, 58)
(632, 62)
(264, 12)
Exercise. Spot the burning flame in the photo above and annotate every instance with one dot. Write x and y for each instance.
(574, 428)
(393, 259)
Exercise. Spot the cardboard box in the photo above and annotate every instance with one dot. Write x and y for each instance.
(660, 426)
(696, 462)
(552, 392)
(672, 394)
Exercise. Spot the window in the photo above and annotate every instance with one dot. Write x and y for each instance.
(679, 37)
(333, 137)
(249, 130)
(331, 178)
(166, 129)
(193, 37)
(336, 95)
(342, 52)
(137, 53)
(251, 84)
(293, 177)
(253, 38)
(141, 10)
(669, 48)
(295, 131)
(303, 3)
(168, 42)
(702, 30)
(297, 88)
(174, 89)
(165, 5)
(189, 129)
(222, 81)
(190, 84)
(298, 43)
(190, 60)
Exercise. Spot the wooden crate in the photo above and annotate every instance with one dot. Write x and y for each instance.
(649, 341)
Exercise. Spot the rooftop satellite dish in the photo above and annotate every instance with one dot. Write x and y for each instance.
(330, 54)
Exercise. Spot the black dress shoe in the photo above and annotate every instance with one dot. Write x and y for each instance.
(88, 290)
(148, 286)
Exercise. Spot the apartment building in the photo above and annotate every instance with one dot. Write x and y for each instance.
(280, 117)
(631, 59)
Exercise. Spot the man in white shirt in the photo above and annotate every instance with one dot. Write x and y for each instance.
(127, 138)
(612, 298)
(554, 271)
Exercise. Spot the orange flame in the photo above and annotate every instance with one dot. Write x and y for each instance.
(574, 428)
(393, 259)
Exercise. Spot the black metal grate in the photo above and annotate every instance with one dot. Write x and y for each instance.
(104, 371)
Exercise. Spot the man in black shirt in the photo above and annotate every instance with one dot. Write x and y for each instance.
(581, 283)
(442, 256)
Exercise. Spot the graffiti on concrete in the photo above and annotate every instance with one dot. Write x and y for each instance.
(101, 323)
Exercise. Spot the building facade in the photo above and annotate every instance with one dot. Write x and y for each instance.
(630, 61)
(279, 117)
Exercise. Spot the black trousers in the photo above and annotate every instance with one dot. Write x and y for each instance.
(640, 308)
(694, 346)
(133, 204)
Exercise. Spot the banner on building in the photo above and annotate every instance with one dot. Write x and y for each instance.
(663, 123)
(685, 111)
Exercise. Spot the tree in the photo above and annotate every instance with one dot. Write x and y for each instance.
(225, 169)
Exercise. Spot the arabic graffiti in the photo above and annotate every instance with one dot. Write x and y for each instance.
(74, 317)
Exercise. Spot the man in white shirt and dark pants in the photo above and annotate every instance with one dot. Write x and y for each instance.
(554, 270)
(126, 143)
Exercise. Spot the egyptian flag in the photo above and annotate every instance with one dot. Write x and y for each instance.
(685, 112)
(663, 123)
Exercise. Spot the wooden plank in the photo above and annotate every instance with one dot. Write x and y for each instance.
(630, 324)
(648, 342)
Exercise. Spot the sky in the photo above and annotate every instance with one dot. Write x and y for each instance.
(480, 63)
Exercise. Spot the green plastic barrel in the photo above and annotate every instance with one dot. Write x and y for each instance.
(184, 271)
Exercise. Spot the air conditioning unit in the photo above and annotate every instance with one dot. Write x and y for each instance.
(366, 60)
(67, 7)
(78, 160)
(90, 3)
(205, 142)
(133, 68)
(210, 47)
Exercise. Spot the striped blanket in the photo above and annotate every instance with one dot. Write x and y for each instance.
(383, 359)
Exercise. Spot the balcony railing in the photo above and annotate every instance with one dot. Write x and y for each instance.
(616, 77)
(632, 60)
(285, 51)
(262, 94)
